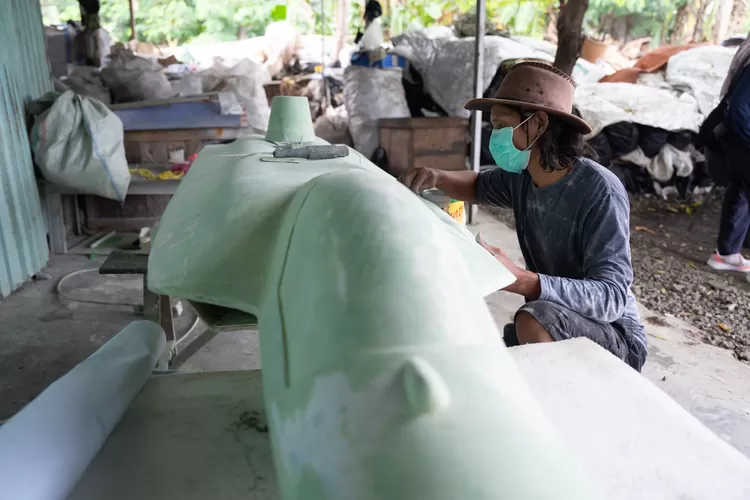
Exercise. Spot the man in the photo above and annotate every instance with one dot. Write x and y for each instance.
(572, 216)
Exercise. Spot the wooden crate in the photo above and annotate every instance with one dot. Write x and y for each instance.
(424, 142)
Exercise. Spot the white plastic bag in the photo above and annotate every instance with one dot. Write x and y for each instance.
(371, 94)
(134, 78)
(78, 144)
(245, 80)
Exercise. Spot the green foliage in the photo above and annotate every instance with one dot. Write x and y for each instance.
(180, 21)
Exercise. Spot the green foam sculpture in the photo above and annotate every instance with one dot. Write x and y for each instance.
(384, 374)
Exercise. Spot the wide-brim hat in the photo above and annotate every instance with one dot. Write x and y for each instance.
(536, 86)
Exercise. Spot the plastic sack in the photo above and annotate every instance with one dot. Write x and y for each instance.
(700, 72)
(281, 44)
(86, 80)
(603, 104)
(78, 143)
(636, 179)
(371, 94)
(682, 139)
(188, 84)
(651, 139)
(602, 149)
(670, 161)
(333, 126)
(132, 78)
(622, 137)
(448, 79)
(245, 80)
(637, 157)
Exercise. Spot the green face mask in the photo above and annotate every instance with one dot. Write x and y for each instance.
(505, 153)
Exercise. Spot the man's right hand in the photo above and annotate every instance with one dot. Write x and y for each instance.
(420, 179)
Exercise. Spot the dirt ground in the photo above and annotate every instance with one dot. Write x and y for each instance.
(671, 241)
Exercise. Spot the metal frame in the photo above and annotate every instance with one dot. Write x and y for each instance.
(476, 125)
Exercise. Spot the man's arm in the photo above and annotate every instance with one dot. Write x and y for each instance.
(487, 188)
(603, 293)
(459, 184)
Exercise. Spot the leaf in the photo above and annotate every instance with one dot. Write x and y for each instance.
(692, 265)
(278, 13)
(645, 229)
(663, 290)
(723, 327)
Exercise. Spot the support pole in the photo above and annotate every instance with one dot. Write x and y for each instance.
(132, 20)
(478, 92)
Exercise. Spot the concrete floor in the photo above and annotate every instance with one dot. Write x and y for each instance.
(43, 335)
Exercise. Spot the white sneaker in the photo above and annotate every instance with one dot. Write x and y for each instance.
(736, 263)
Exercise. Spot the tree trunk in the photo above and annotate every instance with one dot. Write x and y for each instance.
(680, 20)
(699, 15)
(550, 33)
(342, 21)
(569, 34)
(739, 14)
(723, 18)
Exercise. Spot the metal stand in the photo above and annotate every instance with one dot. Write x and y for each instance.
(476, 125)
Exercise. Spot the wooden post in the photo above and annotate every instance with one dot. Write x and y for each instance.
(132, 20)
(569, 34)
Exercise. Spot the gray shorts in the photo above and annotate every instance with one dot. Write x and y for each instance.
(563, 323)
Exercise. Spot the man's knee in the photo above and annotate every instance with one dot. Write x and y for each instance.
(529, 330)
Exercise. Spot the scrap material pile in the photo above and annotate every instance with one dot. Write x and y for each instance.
(644, 131)
(645, 117)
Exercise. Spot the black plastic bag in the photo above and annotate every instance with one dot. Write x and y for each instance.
(651, 139)
(416, 97)
(602, 152)
(681, 140)
(635, 179)
(622, 137)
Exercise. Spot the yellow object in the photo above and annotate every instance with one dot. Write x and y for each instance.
(169, 174)
(143, 172)
(456, 211)
(164, 176)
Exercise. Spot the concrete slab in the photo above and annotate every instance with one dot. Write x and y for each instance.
(200, 435)
(708, 381)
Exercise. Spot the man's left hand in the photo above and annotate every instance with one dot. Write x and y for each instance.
(527, 283)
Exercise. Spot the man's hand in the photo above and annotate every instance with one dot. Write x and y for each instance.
(526, 284)
(420, 179)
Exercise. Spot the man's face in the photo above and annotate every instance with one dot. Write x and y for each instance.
(505, 116)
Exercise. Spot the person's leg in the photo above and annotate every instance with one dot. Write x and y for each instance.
(542, 321)
(529, 330)
(735, 220)
(735, 214)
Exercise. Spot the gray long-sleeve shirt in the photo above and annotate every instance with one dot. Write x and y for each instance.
(575, 234)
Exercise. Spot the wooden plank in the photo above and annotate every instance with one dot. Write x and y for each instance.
(53, 210)
(208, 96)
(430, 123)
(186, 134)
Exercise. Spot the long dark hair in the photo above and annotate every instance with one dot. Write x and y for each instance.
(561, 141)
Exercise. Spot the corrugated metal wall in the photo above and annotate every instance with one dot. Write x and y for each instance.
(24, 75)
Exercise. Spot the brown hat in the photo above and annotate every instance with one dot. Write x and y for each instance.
(536, 86)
